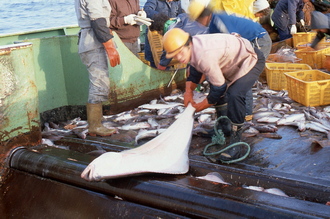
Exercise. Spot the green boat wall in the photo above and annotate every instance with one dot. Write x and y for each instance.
(40, 75)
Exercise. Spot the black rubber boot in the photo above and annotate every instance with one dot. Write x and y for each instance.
(234, 152)
(224, 123)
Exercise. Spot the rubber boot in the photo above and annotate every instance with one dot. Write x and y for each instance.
(236, 135)
(223, 124)
(94, 117)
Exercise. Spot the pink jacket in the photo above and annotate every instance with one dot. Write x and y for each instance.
(222, 57)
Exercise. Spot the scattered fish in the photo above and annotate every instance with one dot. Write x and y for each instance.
(135, 126)
(143, 133)
(214, 177)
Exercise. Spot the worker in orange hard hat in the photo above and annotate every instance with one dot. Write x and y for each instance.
(231, 66)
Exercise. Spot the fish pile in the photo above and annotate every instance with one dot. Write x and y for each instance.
(137, 125)
(274, 108)
(271, 109)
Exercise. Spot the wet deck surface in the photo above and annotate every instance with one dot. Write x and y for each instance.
(290, 164)
(293, 154)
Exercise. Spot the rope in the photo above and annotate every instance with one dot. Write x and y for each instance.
(219, 139)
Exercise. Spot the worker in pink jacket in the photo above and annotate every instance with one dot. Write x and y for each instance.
(231, 66)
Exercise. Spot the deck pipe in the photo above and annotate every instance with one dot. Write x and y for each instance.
(186, 199)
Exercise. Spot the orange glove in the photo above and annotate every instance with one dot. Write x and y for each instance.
(112, 52)
(202, 105)
(188, 98)
(188, 95)
(160, 67)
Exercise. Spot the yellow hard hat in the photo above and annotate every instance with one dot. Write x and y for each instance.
(196, 8)
(173, 41)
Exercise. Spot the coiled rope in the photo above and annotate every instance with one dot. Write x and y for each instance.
(219, 139)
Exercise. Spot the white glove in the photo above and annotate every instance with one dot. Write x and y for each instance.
(140, 21)
(293, 29)
(129, 19)
(302, 22)
(142, 14)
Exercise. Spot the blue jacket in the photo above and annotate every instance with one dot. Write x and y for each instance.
(224, 23)
(171, 9)
(287, 13)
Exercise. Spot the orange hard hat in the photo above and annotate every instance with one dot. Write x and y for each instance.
(174, 40)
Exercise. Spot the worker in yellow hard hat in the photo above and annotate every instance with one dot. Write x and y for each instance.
(222, 22)
(231, 66)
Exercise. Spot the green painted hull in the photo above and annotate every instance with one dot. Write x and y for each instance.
(47, 74)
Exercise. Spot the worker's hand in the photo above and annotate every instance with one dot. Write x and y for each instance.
(142, 14)
(112, 53)
(293, 29)
(202, 105)
(160, 67)
(130, 19)
(302, 22)
(188, 95)
(188, 98)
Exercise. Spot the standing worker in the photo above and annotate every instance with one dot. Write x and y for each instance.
(231, 66)
(95, 46)
(172, 8)
(285, 16)
(122, 21)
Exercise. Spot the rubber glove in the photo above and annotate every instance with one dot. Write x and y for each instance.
(202, 105)
(160, 67)
(189, 95)
(142, 14)
(129, 19)
(293, 29)
(302, 22)
(112, 52)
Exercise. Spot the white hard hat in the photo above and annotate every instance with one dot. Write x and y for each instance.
(260, 5)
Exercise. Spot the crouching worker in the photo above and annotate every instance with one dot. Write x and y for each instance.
(231, 66)
(95, 48)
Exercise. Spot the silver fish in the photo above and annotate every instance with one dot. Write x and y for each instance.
(258, 115)
(255, 188)
(160, 106)
(143, 133)
(204, 118)
(268, 119)
(134, 126)
(276, 191)
(47, 142)
(81, 133)
(316, 127)
(291, 118)
(214, 177)
(153, 123)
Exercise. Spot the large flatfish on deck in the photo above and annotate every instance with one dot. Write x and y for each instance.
(167, 153)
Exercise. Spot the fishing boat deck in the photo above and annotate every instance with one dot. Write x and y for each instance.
(290, 164)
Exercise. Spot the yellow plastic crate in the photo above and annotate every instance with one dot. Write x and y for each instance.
(314, 58)
(276, 79)
(141, 56)
(309, 87)
(156, 45)
(303, 37)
